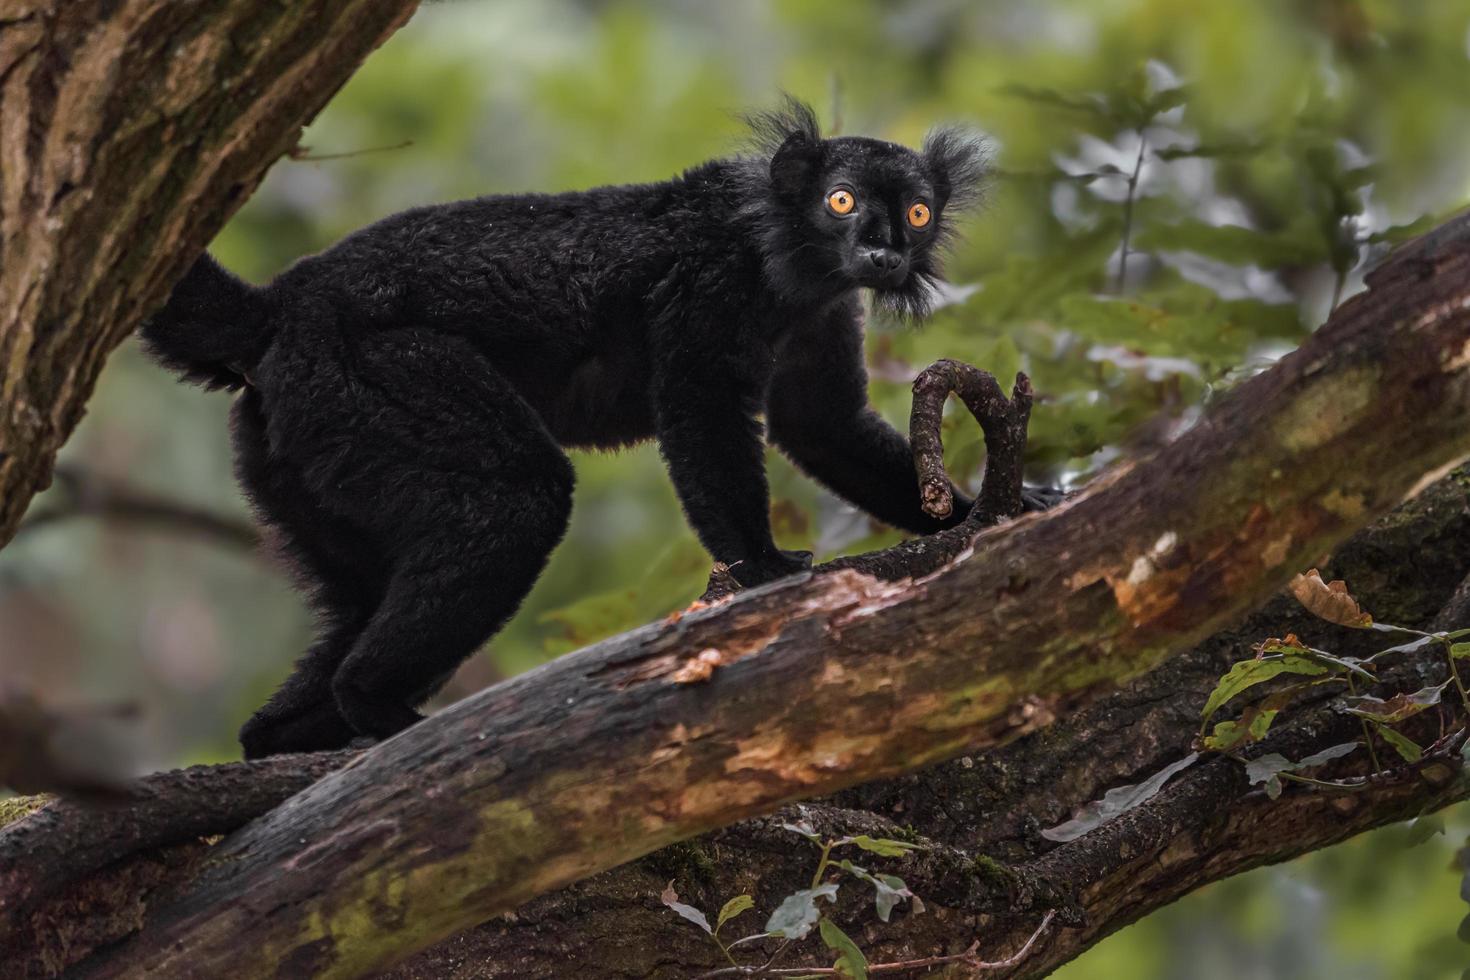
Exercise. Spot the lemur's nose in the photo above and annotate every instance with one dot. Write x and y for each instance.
(885, 259)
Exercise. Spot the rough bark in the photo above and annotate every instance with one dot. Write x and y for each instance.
(131, 130)
(987, 873)
(825, 681)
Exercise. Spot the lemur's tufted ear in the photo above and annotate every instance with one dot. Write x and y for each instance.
(959, 162)
(794, 163)
(792, 139)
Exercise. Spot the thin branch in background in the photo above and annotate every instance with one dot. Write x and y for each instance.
(88, 494)
(836, 91)
(303, 154)
(1128, 210)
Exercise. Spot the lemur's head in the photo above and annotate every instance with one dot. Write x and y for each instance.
(854, 212)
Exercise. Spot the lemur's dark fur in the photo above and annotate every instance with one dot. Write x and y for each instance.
(406, 393)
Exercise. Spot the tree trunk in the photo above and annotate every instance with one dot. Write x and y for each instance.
(130, 131)
(828, 680)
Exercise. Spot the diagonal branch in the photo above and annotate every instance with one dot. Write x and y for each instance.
(971, 815)
(828, 680)
(132, 130)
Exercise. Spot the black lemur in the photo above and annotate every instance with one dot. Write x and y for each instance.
(405, 395)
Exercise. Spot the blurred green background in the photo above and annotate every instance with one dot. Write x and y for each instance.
(1255, 155)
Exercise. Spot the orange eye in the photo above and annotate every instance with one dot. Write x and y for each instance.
(919, 214)
(841, 201)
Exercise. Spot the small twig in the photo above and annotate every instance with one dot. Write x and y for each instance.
(1367, 734)
(1128, 211)
(1449, 655)
(1004, 422)
(837, 92)
(1445, 747)
(91, 495)
(303, 153)
(969, 957)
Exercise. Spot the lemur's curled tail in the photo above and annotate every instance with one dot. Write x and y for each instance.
(213, 330)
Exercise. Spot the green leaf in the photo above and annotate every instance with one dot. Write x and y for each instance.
(1238, 245)
(1252, 727)
(1238, 149)
(1268, 768)
(1346, 665)
(1166, 99)
(1402, 233)
(888, 890)
(1391, 628)
(671, 899)
(1116, 801)
(883, 845)
(1249, 673)
(850, 960)
(805, 829)
(732, 908)
(1409, 647)
(1460, 651)
(1401, 743)
(1090, 104)
(797, 913)
(1425, 826)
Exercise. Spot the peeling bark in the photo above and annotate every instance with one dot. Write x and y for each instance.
(832, 679)
(987, 873)
(131, 131)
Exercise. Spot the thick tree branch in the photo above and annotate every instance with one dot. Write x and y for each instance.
(829, 680)
(131, 131)
(983, 872)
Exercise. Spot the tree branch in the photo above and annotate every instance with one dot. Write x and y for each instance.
(828, 680)
(92, 495)
(985, 866)
(132, 130)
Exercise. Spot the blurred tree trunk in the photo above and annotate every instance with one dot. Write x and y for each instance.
(872, 668)
(130, 131)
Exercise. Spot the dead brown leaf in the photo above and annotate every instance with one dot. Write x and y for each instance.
(1329, 600)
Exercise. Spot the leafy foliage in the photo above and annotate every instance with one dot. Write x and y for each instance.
(799, 912)
(1268, 768)
(1332, 602)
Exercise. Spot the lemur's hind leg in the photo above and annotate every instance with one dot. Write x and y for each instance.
(454, 476)
(342, 574)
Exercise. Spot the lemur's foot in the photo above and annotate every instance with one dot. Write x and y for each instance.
(1041, 498)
